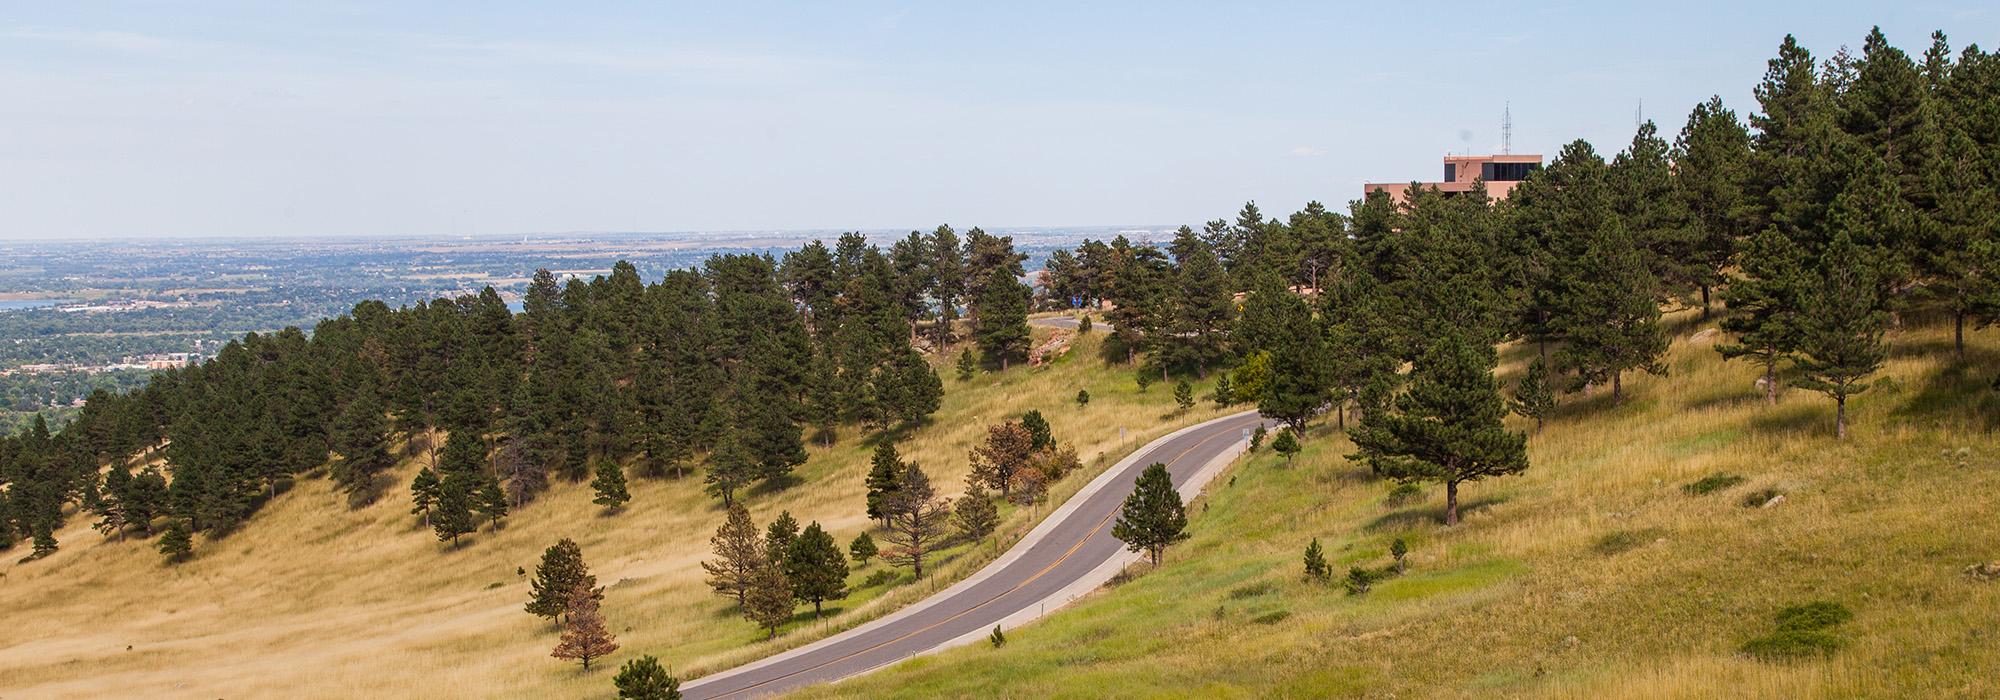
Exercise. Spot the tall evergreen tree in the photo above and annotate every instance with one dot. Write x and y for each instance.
(1534, 397)
(1447, 428)
(177, 545)
(1711, 160)
(1610, 316)
(768, 600)
(363, 446)
(918, 520)
(738, 553)
(1766, 302)
(1001, 327)
(885, 472)
(1840, 331)
(815, 567)
(560, 574)
(1152, 517)
(610, 485)
(975, 515)
(1198, 334)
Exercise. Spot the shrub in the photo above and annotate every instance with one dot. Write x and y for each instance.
(1360, 579)
(998, 638)
(1788, 645)
(1257, 438)
(1711, 484)
(879, 578)
(1802, 633)
(1817, 615)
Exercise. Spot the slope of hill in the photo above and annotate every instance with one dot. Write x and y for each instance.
(315, 600)
(1595, 574)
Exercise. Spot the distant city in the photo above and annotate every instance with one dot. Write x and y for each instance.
(82, 315)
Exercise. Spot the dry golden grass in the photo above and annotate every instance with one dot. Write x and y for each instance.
(1522, 601)
(312, 599)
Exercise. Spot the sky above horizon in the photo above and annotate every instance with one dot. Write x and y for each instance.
(344, 118)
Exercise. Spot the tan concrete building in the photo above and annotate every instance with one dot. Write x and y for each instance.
(1500, 173)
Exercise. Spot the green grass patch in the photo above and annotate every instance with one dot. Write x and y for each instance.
(1711, 484)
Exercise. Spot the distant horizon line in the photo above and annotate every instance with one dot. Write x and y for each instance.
(546, 235)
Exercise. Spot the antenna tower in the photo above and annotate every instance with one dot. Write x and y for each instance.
(1507, 128)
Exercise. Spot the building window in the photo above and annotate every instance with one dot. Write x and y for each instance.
(1451, 172)
(1506, 172)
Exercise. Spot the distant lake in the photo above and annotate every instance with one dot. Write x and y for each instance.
(12, 304)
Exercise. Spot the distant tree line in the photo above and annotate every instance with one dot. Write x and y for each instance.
(730, 365)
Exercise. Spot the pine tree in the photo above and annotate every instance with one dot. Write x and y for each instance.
(862, 549)
(644, 678)
(1316, 566)
(779, 536)
(1005, 452)
(363, 446)
(45, 542)
(1001, 324)
(1040, 436)
(584, 637)
(1184, 396)
(738, 553)
(1082, 397)
(1840, 331)
(1765, 305)
(731, 466)
(452, 515)
(918, 519)
(1400, 551)
(768, 599)
(1711, 161)
(1534, 398)
(1287, 444)
(884, 472)
(560, 573)
(975, 516)
(177, 545)
(1197, 336)
(1152, 517)
(610, 485)
(1225, 392)
(489, 501)
(1609, 314)
(1447, 427)
(966, 365)
(424, 492)
(815, 567)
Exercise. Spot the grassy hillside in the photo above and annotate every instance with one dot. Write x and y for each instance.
(1593, 575)
(312, 599)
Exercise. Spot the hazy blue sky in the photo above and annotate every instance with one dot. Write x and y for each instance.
(244, 118)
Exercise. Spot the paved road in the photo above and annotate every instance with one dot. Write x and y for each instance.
(1068, 322)
(1067, 555)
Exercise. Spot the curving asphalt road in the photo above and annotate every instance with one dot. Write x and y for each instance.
(1066, 322)
(1069, 554)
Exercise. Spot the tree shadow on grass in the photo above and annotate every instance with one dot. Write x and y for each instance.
(1797, 419)
(1961, 390)
(1727, 401)
(1411, 517)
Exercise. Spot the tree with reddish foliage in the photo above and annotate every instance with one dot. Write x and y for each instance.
(584, 636)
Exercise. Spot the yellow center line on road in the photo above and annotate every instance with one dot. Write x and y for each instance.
(1031, 579)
